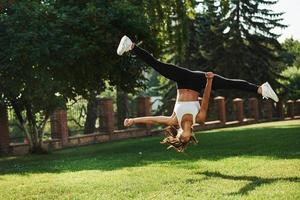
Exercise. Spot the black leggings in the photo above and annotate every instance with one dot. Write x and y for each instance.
(194, 80)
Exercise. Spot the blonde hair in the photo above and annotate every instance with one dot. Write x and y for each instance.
(174, 142)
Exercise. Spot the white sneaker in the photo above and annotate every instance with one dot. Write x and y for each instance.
(268, 92)
(124, 45)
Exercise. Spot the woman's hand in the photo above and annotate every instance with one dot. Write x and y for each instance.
(128, 122)
(209, 75)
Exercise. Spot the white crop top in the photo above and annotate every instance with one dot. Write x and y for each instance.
(186, 107)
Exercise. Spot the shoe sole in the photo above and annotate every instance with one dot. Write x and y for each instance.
(273, 94)
(120, 49)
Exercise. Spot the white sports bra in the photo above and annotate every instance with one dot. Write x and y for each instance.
(186, 107)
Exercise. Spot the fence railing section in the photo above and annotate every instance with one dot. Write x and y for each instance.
(257, 110)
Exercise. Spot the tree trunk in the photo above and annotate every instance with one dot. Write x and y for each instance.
(33, 131)
(90, 122)
(122, 107)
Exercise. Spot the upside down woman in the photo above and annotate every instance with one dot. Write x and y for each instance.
(187, 111)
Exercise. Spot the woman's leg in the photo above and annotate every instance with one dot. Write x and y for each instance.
(171, 120)
(194, 80)
(172, 72)
(220, 82)
(184, 78)
(265, 89)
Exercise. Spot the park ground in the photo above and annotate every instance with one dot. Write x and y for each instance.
(260, 161)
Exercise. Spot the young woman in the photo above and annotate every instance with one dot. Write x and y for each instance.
(187, 110)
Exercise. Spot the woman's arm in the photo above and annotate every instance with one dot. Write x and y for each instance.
(171, 120)
(201, 116)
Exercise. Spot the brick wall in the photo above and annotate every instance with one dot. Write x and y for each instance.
(289, 110)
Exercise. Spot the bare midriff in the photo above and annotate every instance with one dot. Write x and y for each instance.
(187, 95)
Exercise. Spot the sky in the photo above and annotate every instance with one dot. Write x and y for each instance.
(291, 18)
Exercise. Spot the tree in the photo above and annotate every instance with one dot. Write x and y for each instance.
(291, 75)
(210, 27)
(52, 52)
(291, 82)
(251, 49)
(292, 52)
(27, 80)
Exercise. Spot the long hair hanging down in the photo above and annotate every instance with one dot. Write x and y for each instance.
(174, 142)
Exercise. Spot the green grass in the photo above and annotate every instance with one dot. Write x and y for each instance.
(250, 162)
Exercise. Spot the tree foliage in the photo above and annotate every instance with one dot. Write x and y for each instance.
(52, 51)
(233, 38)
(251, 49)
(291, 75)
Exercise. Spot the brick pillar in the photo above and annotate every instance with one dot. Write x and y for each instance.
(290, 108)
(268, 109)
(220, 102)
(297, 107)
(106, 114)
(143, 108)
(238, 107)
(59, 125)
(4, 131)
(254, 108)
(280, 109)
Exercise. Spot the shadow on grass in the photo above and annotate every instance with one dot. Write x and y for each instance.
(283, 142)
(254, 181)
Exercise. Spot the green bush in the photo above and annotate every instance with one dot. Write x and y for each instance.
(291, 82)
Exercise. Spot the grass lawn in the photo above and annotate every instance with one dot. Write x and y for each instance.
(250, 162)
